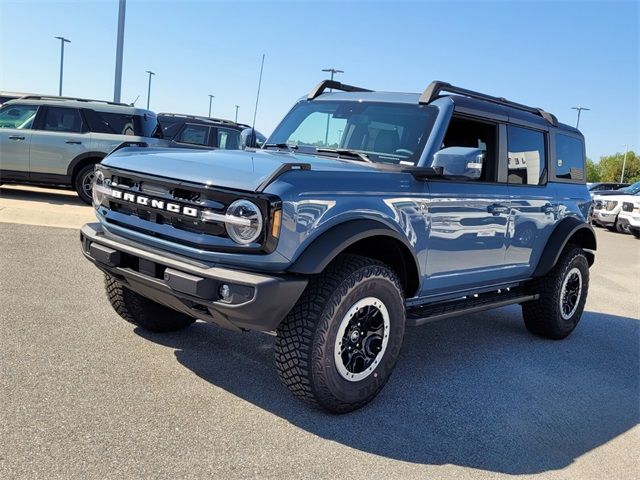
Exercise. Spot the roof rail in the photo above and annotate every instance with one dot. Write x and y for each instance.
(55, 97)
(434, 88)
(322, 86)
(199, 117)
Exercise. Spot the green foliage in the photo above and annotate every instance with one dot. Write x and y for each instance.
(593, 171)
(610, 168)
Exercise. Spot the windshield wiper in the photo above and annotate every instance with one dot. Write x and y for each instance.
(345, 152)
(285, 146)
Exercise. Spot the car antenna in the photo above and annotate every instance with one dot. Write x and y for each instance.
(133, 104)
(255, 110)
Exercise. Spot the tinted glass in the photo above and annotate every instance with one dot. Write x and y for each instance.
(569, 158)
(124, 124)
(194, 134)
(228, 139)
(385, 132)
(17, 116)
(63, 119)
(527, 160)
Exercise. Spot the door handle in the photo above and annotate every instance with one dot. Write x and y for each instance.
(16, 137)
(74, 142)
(497, 209)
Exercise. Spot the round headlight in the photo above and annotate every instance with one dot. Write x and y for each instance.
(97, 193)
(244, 222)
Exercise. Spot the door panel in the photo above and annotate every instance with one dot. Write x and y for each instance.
(467, 235)
(52, 152)
(14, 152)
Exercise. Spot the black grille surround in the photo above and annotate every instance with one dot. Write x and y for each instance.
(188, 197)
(627, 206)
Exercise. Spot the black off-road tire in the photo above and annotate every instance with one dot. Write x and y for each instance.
(544, 317)
(141, 311)
(306, 341)
(79, 183)
(636, 233)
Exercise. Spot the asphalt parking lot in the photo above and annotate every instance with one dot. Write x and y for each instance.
(84, 395)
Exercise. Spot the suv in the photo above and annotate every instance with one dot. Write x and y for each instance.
(364, 213)
(607, 210)
(58, 140)
(190, 131)
(630, 215)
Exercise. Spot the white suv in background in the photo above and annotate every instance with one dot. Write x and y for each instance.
(58, 140)
(607, 208)
(629, 216)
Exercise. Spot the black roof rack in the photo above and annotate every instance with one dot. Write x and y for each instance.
(55, 97)
(200, 117)
(322, 86)
(433, 90)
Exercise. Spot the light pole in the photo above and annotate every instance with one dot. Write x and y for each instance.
(210, 100)
(333, 71)
(149, 87)
(579, 109)
(62, 42)
(237, 107)
(117, 84)
(624, 162)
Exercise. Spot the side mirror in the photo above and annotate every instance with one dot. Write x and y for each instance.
(459, 162)
(251, 138)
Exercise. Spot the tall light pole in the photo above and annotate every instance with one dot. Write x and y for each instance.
(210, 100)
(333, 71)
(149, 87)
(237, 107)
(117, 84)
(624, 162)
(579, 109)
(62, 42)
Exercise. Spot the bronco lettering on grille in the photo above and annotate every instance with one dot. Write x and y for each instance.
(155, 203)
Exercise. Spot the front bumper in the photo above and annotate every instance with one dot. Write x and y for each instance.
(257, 301)
(604, 218)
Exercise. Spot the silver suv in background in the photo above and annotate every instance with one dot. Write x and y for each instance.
(58, 140)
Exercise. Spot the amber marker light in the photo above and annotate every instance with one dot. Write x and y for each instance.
(275, 225)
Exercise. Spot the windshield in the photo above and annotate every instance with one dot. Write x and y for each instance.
(384, 132)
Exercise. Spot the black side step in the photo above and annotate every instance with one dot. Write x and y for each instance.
(438, 311)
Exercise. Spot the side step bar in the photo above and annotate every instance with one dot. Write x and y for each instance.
(437, 311)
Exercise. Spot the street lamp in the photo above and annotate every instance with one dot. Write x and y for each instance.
(333, 71)
(237, 107)
(624, 162)
(117, 83)
(579, 109)
(62, 42)
(210, 99)
(149, 87)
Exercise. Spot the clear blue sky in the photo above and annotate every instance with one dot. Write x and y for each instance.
(549, 54)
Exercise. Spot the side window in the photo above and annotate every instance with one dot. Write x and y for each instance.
(228, 139)
(194, 134)
(464, 134)
(569, 158)
(527, 159)
(18, 116)
(109, 122)
(62, 119)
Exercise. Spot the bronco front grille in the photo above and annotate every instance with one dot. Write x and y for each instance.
(154, 201)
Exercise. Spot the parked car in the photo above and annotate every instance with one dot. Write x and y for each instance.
(190, 131)
(364, 213)
(607, 209)
(629, 215)
(631, 189)
(601, 186)
(58, 140)
(8, 96)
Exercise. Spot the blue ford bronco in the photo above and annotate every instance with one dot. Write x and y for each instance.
(364, 213)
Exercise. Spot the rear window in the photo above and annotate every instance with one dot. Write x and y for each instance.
(569, 158)
(124, 124)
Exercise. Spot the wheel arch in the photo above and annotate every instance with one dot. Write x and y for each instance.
(369, 238)
(572, 231)
(82, 160)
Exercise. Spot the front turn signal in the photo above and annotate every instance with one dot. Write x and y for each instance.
(275, 225)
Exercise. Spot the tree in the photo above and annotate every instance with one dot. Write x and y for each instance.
(593, 171)
(610, 167)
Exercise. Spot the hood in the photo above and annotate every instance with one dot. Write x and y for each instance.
(234, 169)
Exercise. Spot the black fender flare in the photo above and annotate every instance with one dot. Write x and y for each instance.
(81, 158)
(568, 228)
(329, 244)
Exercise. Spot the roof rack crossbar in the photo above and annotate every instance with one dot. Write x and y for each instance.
(322, 86)
(436, 87)
(56, 97)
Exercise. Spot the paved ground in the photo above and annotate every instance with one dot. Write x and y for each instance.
(83, 395)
